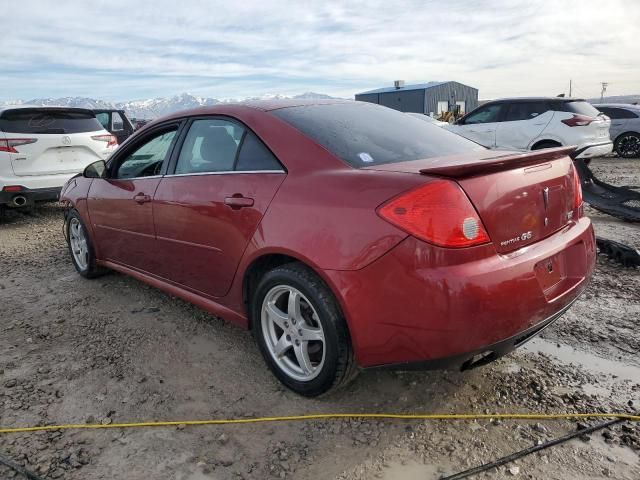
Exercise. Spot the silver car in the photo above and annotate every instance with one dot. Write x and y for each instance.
(625, 127)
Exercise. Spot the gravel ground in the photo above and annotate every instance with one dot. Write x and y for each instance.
(114, 350)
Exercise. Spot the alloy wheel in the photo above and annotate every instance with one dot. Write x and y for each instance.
(293, 333)
(78, 242)
(629, 146)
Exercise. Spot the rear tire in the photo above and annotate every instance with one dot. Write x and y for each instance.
(545, 144)
(628, 145)
(83, 254)
(301, 331)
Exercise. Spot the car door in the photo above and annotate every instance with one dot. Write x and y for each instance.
(208, 209)
(480, 125)
(619, 120)
(121, 127)
(120, 206)
(522, 123)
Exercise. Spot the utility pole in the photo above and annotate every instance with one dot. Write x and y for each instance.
(569, 88)
(604, 90)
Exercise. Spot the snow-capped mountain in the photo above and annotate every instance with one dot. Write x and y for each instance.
(154, 107)
(617, 99)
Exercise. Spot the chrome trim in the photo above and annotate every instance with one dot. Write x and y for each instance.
(135, 178)
(226, 172)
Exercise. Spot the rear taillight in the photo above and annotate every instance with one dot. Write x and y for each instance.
(578, 121)
(9, 144)
(577, 191)
(111, 140)
(12, 188)
(439, 213)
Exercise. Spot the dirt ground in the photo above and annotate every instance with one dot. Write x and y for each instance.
(115, 350)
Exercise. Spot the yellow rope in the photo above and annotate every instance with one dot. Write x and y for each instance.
(334, 416)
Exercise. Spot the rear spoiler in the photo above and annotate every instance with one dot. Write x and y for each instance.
(499, 163)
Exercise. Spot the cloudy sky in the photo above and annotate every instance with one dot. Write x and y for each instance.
(123, 50)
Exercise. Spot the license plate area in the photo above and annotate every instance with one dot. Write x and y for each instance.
(551, 271)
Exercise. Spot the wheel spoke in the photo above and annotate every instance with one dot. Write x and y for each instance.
(276, 315)
(309, 334)
(293, 308)
(302, 356)
(281, 347)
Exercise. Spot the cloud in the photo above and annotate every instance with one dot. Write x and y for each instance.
(121, 49)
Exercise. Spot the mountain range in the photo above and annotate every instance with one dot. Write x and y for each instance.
(153, 107)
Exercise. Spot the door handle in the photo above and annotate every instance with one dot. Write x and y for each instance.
(142, 198)
(237, 201)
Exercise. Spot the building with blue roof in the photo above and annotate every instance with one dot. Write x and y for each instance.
(427, 98)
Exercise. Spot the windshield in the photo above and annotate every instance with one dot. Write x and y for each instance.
(363, 134)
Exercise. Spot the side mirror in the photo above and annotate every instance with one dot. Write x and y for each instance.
(96, 170)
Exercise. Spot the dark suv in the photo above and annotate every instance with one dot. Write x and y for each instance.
(115, 122)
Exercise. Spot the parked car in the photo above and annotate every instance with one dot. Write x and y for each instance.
(116, 122)
(535, 123)
(42, 147)
(428, 119)
(344, 234)
(625, 128)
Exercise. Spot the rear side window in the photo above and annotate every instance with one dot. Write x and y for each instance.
(617, 113)
(210, 146)
(525, 110)
(581, 108)
(35, 120)
(254, 155)
(364, 134)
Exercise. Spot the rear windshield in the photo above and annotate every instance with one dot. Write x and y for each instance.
(34, 120)
(581, 108)
(364, 134)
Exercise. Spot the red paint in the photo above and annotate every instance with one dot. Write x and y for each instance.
(404, 299)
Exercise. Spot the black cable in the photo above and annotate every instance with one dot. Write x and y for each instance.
(18, 468)
(530, 450)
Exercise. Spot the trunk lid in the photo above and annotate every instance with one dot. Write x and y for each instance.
(520, 197)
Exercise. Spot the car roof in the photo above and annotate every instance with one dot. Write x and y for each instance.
(629, 106)
(231, 108)
(536, 99)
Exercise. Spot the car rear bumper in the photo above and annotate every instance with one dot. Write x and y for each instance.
(596, 150)
(28, 197)
(434, 306)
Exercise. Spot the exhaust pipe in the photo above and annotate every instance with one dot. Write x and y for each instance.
(19, 201)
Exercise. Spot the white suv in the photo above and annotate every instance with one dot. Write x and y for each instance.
(534, 123)
(42, 147)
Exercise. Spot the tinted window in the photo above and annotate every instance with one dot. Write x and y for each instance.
(364, 134)
(581, 108)
(254, 155)
(103, 118)
(525, 110)
(616, 113)
(147, 159)
(36, 120)
(210, 146)
(488, 114)
(118, 122)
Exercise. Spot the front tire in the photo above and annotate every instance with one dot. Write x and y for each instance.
(628, 145)
(301, 331)
(80, 246)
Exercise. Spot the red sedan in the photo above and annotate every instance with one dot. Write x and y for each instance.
(343, 234)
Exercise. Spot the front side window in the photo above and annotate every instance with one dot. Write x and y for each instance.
(103, 118)
(525, 111)
(488, 114)
(147, 159)
(118, 122)
(210, 146)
